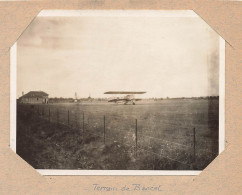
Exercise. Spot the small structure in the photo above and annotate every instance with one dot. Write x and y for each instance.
(89, 98)
(35, 97)
(76, 98)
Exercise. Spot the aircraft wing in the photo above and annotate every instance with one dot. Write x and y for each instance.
(138, 99)
(125, 92)
(117, 100)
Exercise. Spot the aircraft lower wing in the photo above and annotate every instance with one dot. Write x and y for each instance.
(123, 100)
(137, 99)
(119, 100)
(128, 98)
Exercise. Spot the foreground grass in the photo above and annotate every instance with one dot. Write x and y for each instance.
(47, 145)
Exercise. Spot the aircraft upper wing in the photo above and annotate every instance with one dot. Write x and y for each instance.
(125, 92)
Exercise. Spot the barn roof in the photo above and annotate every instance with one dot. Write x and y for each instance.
(35, 94)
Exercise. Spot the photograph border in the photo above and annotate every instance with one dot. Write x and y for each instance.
(148, 13)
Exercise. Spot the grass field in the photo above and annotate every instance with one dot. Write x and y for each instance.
(47, 139)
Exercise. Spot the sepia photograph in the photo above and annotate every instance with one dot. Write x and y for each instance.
(118, 90)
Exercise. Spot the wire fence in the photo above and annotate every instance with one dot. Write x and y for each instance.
(131, 132)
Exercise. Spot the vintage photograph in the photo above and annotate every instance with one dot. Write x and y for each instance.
(118, 90)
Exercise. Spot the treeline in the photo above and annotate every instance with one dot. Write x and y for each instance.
(178, 98)
(72, 100)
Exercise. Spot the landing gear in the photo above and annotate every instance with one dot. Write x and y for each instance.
(130, 101)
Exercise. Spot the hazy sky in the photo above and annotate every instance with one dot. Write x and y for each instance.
(175, 57)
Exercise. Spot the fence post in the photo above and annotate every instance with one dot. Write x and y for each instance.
(49, 114)
(136, 137)
(57, 115)
(68, 118)
(194, 144)
(104, 130)
(76, 119)
(83, 125)
(43, 112)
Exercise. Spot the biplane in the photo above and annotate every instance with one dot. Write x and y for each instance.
(129, 96)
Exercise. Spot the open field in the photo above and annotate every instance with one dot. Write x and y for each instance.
(50, 138)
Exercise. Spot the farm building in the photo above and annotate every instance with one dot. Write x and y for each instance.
(35, 97)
